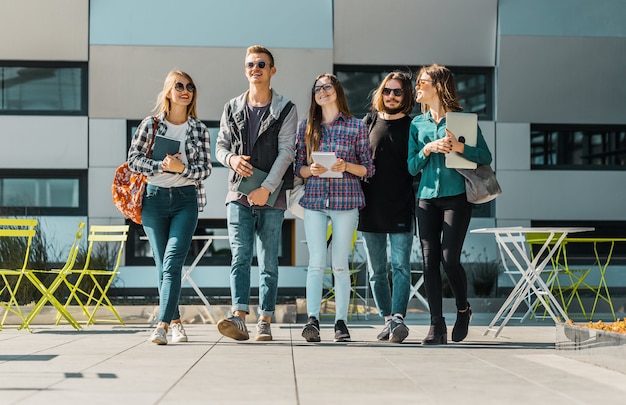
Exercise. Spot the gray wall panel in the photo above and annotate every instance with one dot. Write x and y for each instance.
(415, 32)
(44, 30)
(562, 80)
(139, 73)
(44, 142)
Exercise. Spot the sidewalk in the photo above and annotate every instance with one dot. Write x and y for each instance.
(117, 365)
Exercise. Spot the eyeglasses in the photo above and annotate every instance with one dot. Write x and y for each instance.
(261, 64)
(396, 92)
(326, 87)
(419, 82)
(180, 87)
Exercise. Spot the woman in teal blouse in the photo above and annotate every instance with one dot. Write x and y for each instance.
(443, 213)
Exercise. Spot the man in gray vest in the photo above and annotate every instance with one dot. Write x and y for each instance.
(257, 133)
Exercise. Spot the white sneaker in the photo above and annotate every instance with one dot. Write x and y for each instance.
(159, 336)
(178, 333)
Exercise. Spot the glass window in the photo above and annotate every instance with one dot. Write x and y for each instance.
(138, 252)
(576, 147)
(475, 87)
(43, 88)
(49, 192)
(213, 126)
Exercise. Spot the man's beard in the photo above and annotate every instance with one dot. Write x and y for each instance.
(392, 111)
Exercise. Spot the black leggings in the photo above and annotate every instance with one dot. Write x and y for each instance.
(443, 224)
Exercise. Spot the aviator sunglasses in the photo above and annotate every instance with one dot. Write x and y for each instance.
(396, 92)
(180, 87)
(260, 64)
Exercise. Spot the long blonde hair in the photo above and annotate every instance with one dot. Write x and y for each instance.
(314, 122)
(163, 102)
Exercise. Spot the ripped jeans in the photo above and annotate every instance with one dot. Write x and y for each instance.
(316, 228)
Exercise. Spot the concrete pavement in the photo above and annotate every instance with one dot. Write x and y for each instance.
(117, 365)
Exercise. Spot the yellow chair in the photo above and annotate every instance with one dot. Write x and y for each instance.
(90, 287)
(16, 233)
(47, 292)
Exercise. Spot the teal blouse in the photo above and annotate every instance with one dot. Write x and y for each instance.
(438, 180)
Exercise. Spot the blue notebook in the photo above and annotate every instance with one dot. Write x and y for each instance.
(249, 184)
(164, 146)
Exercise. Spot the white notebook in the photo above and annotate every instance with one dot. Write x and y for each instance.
(465, 127)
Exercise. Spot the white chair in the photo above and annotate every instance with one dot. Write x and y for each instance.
(511, 271)
(415, 288)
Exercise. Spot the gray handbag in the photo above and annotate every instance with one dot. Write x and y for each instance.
(481, 185)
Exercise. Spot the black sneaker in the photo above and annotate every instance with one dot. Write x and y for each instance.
(383, 336)
(311, 331)
(341, 332)
(399, 331)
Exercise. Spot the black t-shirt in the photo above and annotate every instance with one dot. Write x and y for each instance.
(389, 194)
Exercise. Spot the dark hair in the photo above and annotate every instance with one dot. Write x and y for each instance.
(443, 81)
(408, 98)
(314, 121)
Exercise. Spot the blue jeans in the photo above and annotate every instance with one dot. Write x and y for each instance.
(169, 217)
(315, 229)
(388, 302)
(247, 225)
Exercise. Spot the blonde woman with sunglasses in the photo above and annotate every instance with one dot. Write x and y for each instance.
(174, 191)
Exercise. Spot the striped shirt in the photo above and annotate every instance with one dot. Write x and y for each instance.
(349, 139)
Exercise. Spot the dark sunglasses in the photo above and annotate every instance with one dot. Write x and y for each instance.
(396, 92)
(180, 87)
(325, 87)
(260, 64)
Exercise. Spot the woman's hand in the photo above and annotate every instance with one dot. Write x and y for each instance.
(317, 169)
(443, 145)
(455, 144)
(340, 165)
(172, 163)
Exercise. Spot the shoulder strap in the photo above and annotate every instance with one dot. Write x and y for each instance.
(370, 120)
(154, 130)
(286, 110)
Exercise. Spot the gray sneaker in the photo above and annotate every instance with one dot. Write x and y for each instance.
(383, 336)
(398, 330)
(233, 327)
(263, 331)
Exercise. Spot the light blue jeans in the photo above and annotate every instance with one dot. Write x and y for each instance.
(169, 217)
(388, 302)
(247, 226)
(315, 229)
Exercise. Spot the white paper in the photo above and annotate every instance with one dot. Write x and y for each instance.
(326, 159)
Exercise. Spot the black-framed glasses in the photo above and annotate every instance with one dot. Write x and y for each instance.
(261, 64)
(325, 87)
(396, 92)
(180, 87)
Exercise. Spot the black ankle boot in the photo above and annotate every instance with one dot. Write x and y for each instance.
(437, 334)
(461, 326)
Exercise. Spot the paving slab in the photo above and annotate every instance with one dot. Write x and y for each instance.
(104, 364)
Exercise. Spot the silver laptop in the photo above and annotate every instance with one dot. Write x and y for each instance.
(465, 127)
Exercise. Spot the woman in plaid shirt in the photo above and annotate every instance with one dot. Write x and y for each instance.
(331, 128)
(174, 193)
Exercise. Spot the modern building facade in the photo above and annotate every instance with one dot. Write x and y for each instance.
(546, 78)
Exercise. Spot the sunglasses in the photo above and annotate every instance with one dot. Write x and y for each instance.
(260, 64)
(396, 92)
(180, 87)
(325, 87)
(420, 82)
